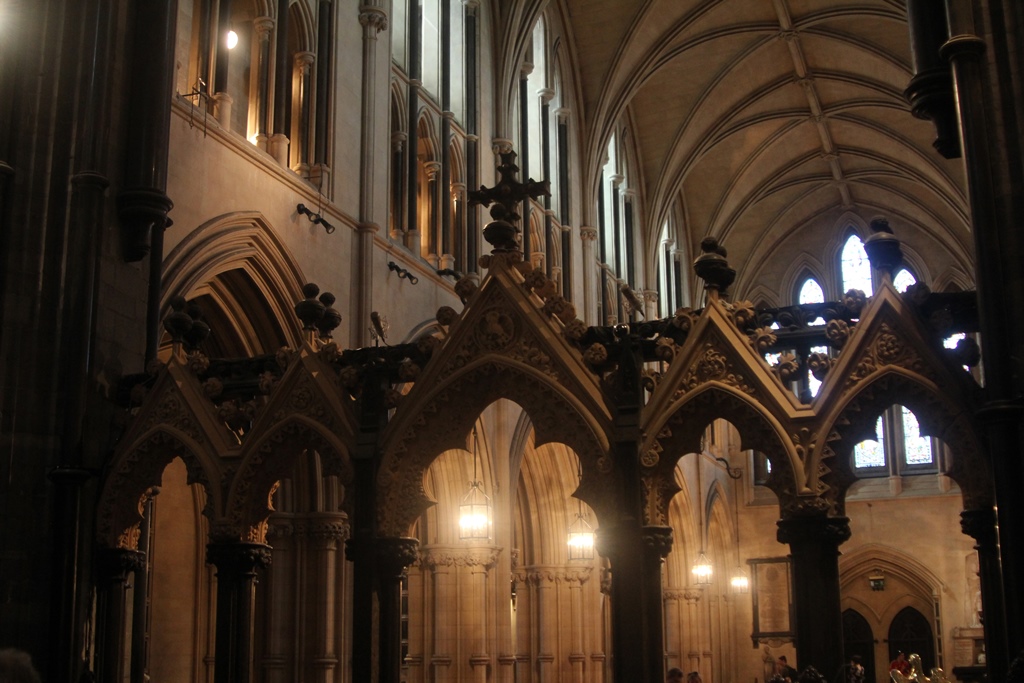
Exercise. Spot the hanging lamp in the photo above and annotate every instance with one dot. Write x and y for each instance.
(702, 570)
(740, 582)
(581, 534)
(475, 509)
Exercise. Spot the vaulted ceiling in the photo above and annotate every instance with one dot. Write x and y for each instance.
(768, 124)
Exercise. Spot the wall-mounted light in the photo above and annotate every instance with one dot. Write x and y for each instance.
(403, 273)
(231, 40)
(315, 218)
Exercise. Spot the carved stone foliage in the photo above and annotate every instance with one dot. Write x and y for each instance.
(434, 557)
(444, 420)
(127, 487)
(887, 347)
(713, 364)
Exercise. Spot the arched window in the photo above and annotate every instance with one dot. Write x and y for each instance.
(855, 267)
(898, 448)
(812, 293)
(904, 278)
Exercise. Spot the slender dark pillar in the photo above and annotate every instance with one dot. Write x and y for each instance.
(238, 565)
(361, 551)
(324, 66)
(524, 154)
(987, 86)
(393, 556)
(472, 129)
(143, 203)
(263, 26)
(635, 553)
(113, 568)
(433, 205)
(412, 184)
(981, 526)
(220, 49)
(814, 551)
(282, 71)
(930, 91)
(563, 202)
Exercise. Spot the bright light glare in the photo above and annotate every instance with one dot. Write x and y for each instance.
(232, 40)
(740, 583)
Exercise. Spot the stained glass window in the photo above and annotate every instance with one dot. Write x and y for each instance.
(813, 383)
(870, 453)
(903, 279)
(917, 448)
(856, 267)
(811, 293)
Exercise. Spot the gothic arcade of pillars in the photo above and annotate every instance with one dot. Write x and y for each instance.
(368, 581)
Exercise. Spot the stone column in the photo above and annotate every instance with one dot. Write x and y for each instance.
(635, 554)
(441, 565)
(541, 581)
(324, 532)
(393, 556)
(282, 78)
(457, 259)
(113, 567)
(398, 225)
(814, 542)
(479, 562)
(575, 577)
(279, 602)
(588, 236)
(981, 526)
(324, 71)
(673, 637)
(650, 304)
(301, 115)
(264, 27)
(237, 567)
(692, 635)
(432, 169)
(986, 73)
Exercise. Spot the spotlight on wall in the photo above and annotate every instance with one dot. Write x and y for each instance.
(402, 272)
(315, 218)
(232, 40)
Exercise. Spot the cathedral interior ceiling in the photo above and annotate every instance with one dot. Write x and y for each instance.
(769, 123)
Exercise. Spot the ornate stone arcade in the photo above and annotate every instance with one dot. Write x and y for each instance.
(628, 400)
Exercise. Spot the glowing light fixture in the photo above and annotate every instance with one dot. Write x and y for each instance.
(232, 40)
(740, 582)
(702, 570)
(475, 509)
(581, 534)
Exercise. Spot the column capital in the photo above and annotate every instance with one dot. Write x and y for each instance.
(562, 114)
(238, 559)
(394, 554)
(817, 529)
(650, 296)
(616, 178)
(115, 564)
(398, 139)
(546, 95)
(373, 18)
(448, 556)
(471, 5)
(526, 70)
(431, 168)
(264, 26)
(618, 541)
(304, 60)
(588, 234)
(501, 145)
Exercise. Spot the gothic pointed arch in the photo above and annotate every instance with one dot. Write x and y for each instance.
(890, 360)
(237, 261)
(166, 426)
(503, 345)
(305, 412)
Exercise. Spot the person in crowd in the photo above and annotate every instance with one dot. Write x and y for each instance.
(674, 676)
(900, 664)
(783, 669)
(16, 667)
(855, 670)
(693, 677)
